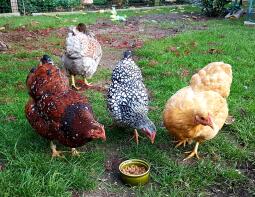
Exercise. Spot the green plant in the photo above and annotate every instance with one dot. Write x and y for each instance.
(5, 6)
(214, 8)
(29, 6)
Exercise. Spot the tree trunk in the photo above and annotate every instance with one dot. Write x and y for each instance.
(14, 5)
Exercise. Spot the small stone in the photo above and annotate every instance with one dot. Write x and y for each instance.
(3, 46)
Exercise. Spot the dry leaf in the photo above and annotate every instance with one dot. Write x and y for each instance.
(11, 118)
(152, 63)
(214, 51)
(174, 50)
(230, 120)
(186, 52)
(185, 73)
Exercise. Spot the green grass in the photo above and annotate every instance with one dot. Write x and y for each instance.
(30, 171)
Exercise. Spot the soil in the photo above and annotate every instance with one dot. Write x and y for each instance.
(115, 38)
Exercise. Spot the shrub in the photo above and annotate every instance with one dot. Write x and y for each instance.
(214, 7)
(5, 6)
(29, 6)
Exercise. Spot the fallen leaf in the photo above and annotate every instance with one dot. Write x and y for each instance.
(11, 118)
(230, 120)
(174, 50)
(187, 52)
(193, 44)
(152, 63)
(184, 73)
(153, 108)
(214, 51)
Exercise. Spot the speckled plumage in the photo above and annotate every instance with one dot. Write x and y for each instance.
(83, 53)
(127, 98)
(57, 112)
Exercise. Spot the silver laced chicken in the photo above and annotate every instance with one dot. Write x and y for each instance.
(127, 98)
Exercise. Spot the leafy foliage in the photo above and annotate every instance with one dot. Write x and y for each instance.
(214, 8)
(5, 6)
(29, 6)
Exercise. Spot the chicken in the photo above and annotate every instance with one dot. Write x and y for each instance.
(197, 112)
(83, 54)
(127, 98)
(57, 112)
(216, 76)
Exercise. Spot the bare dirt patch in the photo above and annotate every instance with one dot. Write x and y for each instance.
(114, 37)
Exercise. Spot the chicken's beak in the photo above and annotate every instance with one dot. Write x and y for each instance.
(150, 135)
(209, 122)
(153, 135)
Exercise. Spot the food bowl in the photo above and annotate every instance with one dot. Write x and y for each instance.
(134, 172)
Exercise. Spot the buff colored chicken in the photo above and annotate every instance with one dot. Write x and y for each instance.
(197, 112)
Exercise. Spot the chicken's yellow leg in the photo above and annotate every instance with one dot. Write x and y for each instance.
(192, 153)
(55, 153)
(73, 83)
(136, 136)
(86, 82)
(75, 152)
(181, 142)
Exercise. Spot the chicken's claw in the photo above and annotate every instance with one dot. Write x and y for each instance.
(192, 153)
(87, 83)
(73, 83)
(75, 152)
(182, 142)
(55, 153)
(75, 87)
(136, 136)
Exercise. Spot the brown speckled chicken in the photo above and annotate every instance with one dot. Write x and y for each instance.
(197, 112)
(57, 112)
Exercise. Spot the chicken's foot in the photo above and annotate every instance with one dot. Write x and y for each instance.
(55, 153)
(193, 152)
(73, 83)
(136, 136)
(87, 83)
(182, 142)
(75, 152)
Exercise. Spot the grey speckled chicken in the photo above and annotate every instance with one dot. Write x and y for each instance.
(83, 53)
(127, 98)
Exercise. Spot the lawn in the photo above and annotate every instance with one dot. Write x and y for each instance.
(227, 166)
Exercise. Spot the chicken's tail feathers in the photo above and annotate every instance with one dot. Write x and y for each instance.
(216, 76)
(46, 59)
